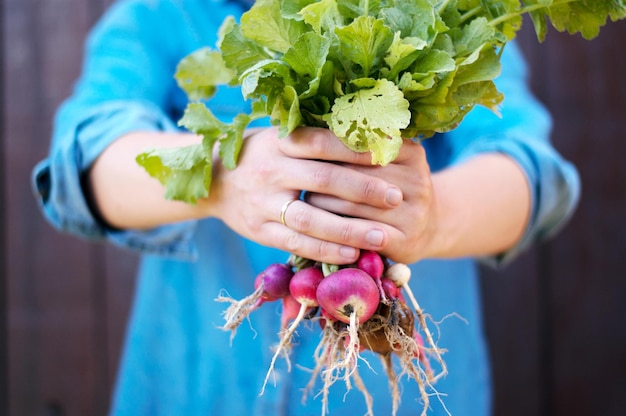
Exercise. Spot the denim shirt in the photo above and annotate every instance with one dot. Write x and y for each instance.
(176, 360)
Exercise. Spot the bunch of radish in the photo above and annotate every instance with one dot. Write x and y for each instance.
(359, 307)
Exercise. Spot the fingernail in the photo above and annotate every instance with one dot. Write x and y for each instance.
(348, 252)
(393, 196)
(374, 237)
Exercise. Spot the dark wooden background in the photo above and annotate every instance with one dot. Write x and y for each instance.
(556, 318)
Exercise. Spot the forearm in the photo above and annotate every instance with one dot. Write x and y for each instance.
(483, 206)
(125, 196)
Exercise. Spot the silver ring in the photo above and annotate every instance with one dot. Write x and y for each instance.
(283, 211)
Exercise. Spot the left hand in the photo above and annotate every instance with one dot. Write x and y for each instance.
(411, 226)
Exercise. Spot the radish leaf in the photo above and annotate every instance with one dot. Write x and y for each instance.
(199, 73)
(264, 24)
(363, 45)
(371, 119)
(184, 171)
(375, 72)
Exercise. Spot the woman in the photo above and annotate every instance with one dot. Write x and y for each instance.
(484, 191)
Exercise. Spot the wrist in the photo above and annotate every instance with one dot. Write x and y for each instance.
(446, 224)
(481, 207)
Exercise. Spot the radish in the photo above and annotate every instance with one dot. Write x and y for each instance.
(350, 296)
(372, 263)
(275, 280)
(291, 307)
(270, 285)
(359, 307)
(348, 293)
(398, 273)
(390, 289)
(302, 287)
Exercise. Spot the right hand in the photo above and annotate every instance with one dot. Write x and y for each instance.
(272, 171)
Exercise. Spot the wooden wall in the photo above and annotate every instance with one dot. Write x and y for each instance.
(556, 318)
(67, 300)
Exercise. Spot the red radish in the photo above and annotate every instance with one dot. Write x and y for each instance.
(271, 284)
(389, 287)
(302, 288)
(358, 307)
(325, 318)
(346, 292)
(291, 307)
(351, 297)
(304, 283)
(275, 280)
(371, 263)
(326, 315)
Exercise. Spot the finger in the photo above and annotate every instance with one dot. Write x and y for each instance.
(342, 182)
(323, 225)
(347, 208)
(321, 144)
(409, 150)
(391, 220)
(308, 247)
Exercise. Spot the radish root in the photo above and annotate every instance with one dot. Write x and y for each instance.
(239, 309)
(285, 342)
(429, 338)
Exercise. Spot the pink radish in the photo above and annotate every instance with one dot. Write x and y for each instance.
(271, 284)
(303, 285)
(291, 307)
(348, 343)
(349, 296)
(348, 292)
(325, 318)
(371, 263)
(275, 280)
(389, 287)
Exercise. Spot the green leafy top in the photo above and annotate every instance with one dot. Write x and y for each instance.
(374, 72)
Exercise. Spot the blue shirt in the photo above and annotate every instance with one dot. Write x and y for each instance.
(176, 361)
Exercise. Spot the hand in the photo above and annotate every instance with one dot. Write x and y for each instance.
(272, 171)
(479, 207)
(411, 226)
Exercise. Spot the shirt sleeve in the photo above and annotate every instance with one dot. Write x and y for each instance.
(522, 131)
(126, 85)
